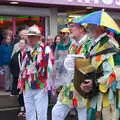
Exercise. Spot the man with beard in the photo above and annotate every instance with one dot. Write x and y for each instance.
(34, 75)
(100, 50)
(103, 54)
(68, 97)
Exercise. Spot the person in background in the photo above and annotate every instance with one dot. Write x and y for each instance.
(61, 52)
(8, 32)
(34, 75)
(62, 47)
(49, 40)
(1, 37)
(17, 35)
(55, 42)
(22, 35)
(5, 54)
(15, 66)
(49, 43)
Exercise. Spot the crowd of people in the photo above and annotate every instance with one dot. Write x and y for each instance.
(83, 62)
(13, 53)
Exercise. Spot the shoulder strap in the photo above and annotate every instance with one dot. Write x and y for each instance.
(109, 50)
(29, 55)
(101, 41)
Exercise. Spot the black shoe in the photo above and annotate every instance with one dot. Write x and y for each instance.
(7, 90)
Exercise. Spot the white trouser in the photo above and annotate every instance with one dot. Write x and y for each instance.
(36, 104)
(60, 111)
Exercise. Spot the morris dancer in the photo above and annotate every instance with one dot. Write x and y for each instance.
(68, 97)
(103, 54)
(35, 72)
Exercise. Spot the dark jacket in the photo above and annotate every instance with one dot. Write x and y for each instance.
(14, 64)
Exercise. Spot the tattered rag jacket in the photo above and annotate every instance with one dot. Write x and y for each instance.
(36, 68)
(68, 95)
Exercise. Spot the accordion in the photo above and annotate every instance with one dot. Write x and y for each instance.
(85, 78)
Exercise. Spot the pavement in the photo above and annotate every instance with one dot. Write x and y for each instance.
(9, 107)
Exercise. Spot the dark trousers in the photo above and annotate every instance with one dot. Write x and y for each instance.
(21, 100)
(15, 91)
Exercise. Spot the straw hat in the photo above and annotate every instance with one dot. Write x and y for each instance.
(34, 31)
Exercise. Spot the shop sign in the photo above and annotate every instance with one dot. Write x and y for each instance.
(97, 3)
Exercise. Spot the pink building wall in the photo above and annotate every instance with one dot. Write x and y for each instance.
(96, 3)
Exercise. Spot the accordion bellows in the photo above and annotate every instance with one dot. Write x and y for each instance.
(84, 65)
(85, 70)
